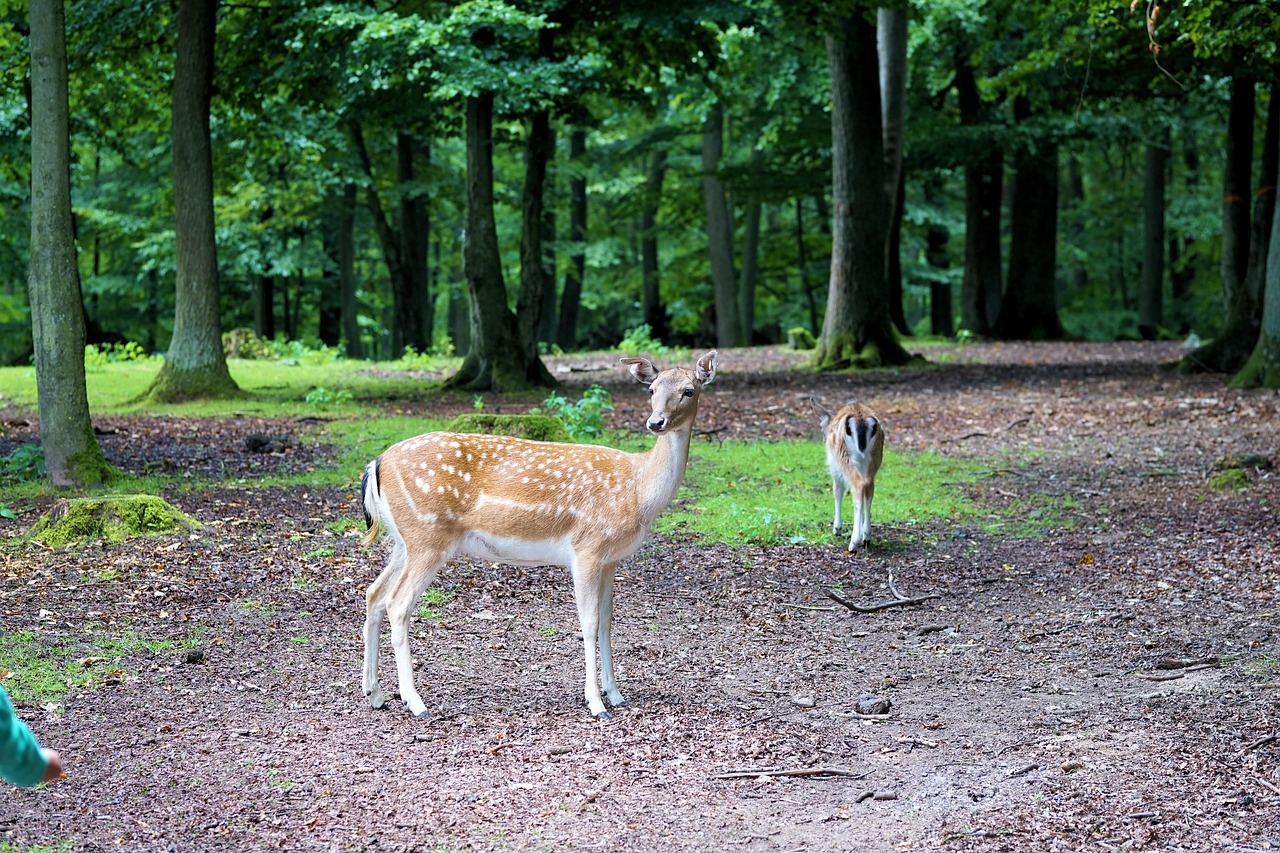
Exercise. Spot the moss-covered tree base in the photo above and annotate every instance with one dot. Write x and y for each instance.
(175, 385)
(535, 427)
(1224, 354)
(112, 517)
(845, 352)
(1262, 370)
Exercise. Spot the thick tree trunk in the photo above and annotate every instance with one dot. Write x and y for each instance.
(984, 190)
(1029, 310)
(857, 329)
(571, 296)
(891, 47)
(72, 456)
(1151, 296)
(655, 312)
(495, 360)
(724, 279)
(415, 315)
(195, 365)
(750, 263)
(1235, 343)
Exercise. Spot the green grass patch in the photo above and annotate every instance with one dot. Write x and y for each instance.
(36, 670)
(433, 602)
(776, 493)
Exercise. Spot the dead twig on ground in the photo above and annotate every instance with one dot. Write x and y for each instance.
(752, 773)
(1261, 742)
(899, 600)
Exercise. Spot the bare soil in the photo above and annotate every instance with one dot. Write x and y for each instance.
(1112, 682)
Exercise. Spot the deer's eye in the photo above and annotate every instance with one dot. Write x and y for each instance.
(650, 390)
(688, 392)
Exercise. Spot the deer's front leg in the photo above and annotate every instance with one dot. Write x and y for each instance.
(837, 490)
(608, 681)
(588, 590)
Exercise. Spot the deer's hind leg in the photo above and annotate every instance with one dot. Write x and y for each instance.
(608, 681)
(375, 599)
(401, 597)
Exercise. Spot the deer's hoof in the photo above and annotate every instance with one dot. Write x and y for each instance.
(604, 715)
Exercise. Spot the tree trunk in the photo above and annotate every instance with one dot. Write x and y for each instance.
(1235, 185)
(983, 194)
(195, 365)
(1263, 366)
(347, 273)
(941, 316)
(891, 47)
(1234, 345)
(415, 236)
(1151, 296)
(530, 304)
(264, 307)
(858, 329)
(72, 456)
(1029, 310)
(724, 280)
(750, 262)
(802, 263)
(495, 360)
(1079, 275)
(655, 312)
(1182, 267)
(571, 296)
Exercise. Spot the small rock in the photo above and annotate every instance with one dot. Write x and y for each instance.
(803, 700)
(193, 656)
(872, 705)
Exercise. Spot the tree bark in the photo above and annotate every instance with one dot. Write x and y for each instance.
(571, 296)
(984, 191)
(655, 312)
(416, 314)
(1263, 366)
(196, 365)
(495, 360)
(941, 316)
(1029, 310)
(1235, 344)
(533, 259)
(857, 329)
(724, 280)
(750, 275)
(1151, 296)
(891, 47)
(347, 273)
(1235, 185)
(72, 456)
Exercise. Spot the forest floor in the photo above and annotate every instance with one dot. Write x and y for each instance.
(1111, 682)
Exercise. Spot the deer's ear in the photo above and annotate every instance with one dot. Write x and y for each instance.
(824, 414)
(706, 368)
(642, 369)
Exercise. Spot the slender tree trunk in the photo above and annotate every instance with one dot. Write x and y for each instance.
(655, 312)
(533, 258)
(495, 360)
(750, 276)
(858, 329)
(802, 263)
(1234, 345)
(72, 456)
(347, 273)
(1074, 234)
(724, 280)
(195, 365)
(571, 296)
(984, 191)
(1151, 296)
(1182, 267)
(1236, 179)
(1029, 310)
(941, 316)
(264, 307)
(415, 237)
(891, 47)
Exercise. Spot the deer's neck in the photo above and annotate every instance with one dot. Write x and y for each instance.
(660, 470)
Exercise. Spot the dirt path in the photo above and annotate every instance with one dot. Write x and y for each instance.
(1030, 707)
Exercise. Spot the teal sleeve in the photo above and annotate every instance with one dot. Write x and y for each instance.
(21, 759)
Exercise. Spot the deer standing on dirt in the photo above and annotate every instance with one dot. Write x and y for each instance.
(854, 438)
(443, 495)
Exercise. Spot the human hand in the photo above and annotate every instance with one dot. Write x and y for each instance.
(54, 769)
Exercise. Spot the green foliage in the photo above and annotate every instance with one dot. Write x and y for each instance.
(25, 463)
(1231, 479)
(640, 340)
(584, 420)
(114, 518)
(433, 602)
(323, 398)
(800, 338)
(97, 356)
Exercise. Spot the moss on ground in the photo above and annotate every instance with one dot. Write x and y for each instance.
(111, 517)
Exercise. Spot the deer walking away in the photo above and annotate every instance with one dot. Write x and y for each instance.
(444, 495)
(854, 439)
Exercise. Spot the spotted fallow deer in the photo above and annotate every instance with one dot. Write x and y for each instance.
(854, 438)
(443, 495)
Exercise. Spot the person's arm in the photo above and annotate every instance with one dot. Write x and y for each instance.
(22, 761)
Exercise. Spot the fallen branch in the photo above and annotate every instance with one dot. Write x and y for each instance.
(1261, 742)
(803, 771)
(884, 605)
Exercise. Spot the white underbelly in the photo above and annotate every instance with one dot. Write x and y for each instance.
(517, 552)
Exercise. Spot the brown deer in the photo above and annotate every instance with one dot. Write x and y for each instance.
(854, 438)
(443, 495)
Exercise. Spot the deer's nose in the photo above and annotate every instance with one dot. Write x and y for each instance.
(657, 424)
